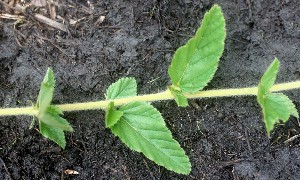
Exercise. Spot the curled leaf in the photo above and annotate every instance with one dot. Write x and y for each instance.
(275, 106)
(51, 125)
(46, 91)
(112, 116)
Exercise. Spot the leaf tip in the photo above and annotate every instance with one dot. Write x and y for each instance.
(63, 146)
(187, 169)
(216, 6)
(276, 63)
(70, 129)
(49, 77)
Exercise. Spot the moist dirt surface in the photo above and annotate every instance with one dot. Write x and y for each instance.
(225, 138)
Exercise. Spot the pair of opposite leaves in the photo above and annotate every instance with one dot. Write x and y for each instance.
(140, 126)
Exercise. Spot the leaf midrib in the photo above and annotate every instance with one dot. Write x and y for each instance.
(200, 38)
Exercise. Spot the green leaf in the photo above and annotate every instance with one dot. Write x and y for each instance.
(180, 99)
(46, 91)
(55, 121)
(124, 87)
(143, 129)
(195, 63)
(275, 106)
(112, 116)
(55, 134)
(51, 125)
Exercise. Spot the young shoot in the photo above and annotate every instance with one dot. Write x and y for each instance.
(138, 124)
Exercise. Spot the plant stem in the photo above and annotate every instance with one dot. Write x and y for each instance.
(166, 95)
(18, 111)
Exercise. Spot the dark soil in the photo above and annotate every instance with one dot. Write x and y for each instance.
(225, 138)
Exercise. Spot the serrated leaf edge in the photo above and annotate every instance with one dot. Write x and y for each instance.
(167, 131)
(263, 92)
(121, 80)
(191, 43)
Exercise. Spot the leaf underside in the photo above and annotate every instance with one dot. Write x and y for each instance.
(275, 106)
(195, 63)
(124, 87)
(142, 129)
(56, 121)
(55, 134)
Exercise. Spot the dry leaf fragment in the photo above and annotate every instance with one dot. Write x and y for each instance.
(70, 172)
(73, 22)
(52, 9)
(39, 3)
(50, 22)
(99, 20)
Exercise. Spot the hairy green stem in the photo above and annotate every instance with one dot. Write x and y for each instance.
(166, 95)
